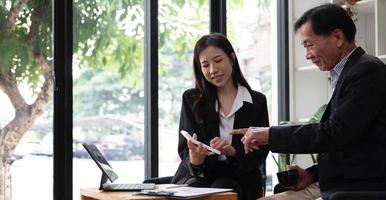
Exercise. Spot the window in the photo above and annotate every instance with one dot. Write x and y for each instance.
(180, 26)
(108, 84)
(108, 89)
(251, 27)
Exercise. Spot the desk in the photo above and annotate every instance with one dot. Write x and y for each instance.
(95, 194)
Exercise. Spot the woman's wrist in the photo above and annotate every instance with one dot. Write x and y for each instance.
(231, 152)
(196, 162)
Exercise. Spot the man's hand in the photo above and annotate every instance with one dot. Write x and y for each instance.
(253, 137)
(223, 146)
(305, 178)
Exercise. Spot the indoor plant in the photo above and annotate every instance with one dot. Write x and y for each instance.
(281, 160)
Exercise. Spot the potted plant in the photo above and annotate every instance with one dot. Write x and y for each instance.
(290, 177)
(281, 160)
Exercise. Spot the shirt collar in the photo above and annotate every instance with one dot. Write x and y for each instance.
(242, 96)
(338, 68)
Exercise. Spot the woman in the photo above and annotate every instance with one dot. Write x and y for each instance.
(221, 101)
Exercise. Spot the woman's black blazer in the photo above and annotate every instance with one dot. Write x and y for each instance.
(206, 125)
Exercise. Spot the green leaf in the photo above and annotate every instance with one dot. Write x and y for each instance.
(318, 115)
(104, 61)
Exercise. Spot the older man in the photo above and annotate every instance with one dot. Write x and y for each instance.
(351, 137)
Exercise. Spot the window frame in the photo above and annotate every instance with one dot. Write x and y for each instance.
(63, 102)
(62, 119)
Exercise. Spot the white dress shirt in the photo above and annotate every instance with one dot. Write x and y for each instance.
(227, 122)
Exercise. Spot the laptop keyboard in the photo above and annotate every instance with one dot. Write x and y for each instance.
(138, 186)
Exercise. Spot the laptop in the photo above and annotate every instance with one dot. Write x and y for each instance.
(109, 174)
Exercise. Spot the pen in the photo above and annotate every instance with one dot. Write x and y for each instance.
(177, 186)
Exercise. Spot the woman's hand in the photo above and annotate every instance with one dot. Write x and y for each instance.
(223, 146)
(197, 153)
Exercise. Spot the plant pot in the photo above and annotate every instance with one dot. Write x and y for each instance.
(288, 178)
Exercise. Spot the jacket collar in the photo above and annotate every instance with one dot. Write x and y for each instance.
(352, 59)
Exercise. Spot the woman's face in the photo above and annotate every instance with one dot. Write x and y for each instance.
(216, 66)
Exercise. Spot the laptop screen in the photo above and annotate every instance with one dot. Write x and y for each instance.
(100, 160)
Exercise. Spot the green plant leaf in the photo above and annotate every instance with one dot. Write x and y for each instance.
(318, 115)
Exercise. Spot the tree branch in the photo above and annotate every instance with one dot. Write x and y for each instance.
(26, 115)
(9, 85)
(36, 19)
(47, 87)
(40, 59)
(13, 14)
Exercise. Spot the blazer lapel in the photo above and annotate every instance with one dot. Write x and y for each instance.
(350, 62)
(327, 112)
(242, 120)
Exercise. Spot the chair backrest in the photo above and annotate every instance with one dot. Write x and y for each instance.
(263, 173)
(159, 180)
(359, 195)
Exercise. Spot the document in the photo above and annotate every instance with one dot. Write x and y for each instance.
(182, 192)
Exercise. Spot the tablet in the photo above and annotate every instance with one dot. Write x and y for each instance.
(189, 137)
(108, 173)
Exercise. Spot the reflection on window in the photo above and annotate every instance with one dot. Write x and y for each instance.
(251, 29)
(180, 25)
(108, 96)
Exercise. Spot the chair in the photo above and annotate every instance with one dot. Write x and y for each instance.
(263, 173)
(359, 195)
(349, 195)
(279, 188)
(159, 180)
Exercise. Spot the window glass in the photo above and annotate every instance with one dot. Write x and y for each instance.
(251, 27)
(26, 166)
(108, 94)
(181, 24)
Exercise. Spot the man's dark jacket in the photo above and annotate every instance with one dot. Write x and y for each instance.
(351, 137)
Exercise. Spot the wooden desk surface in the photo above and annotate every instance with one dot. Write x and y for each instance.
(95, 194)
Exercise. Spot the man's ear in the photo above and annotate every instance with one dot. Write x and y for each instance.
(339, 36)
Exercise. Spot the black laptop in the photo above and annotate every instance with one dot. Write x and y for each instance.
(109, 174)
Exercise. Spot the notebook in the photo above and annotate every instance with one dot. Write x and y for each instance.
(109, 174)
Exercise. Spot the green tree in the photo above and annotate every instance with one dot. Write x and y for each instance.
(101, 91)
(25, 55)
(108, 34)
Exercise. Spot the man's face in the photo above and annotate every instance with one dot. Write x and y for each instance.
(323, 51)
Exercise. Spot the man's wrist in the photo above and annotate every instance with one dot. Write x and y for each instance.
(267, 135)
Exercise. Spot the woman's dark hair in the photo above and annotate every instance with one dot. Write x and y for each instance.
(207, 91)
(326, 18)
